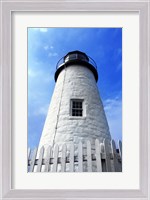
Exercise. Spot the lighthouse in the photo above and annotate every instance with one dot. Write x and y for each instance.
(76, 111)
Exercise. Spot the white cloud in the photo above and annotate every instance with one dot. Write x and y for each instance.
(52, 54)
(35, 73)
(49, 78)
(42, 110)
(46, 47)
(43, 30)
(40, 29)
(32, 73)
(113, 110)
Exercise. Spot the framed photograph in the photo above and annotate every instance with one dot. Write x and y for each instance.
(76, 112)
(47, 44)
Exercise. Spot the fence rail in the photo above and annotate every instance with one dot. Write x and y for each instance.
(100, 157)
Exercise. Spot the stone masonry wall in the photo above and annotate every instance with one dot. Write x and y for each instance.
(75, 82)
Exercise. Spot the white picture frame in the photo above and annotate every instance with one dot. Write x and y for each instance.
(6, 109)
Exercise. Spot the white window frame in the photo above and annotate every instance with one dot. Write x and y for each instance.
(71, 107)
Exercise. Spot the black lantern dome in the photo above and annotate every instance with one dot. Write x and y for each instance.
(76, 57)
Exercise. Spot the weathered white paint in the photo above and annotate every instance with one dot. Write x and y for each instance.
(47, 159)
(75, 82)
(89, 159)
(83, 160)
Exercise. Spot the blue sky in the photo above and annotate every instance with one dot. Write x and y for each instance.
(47, 45)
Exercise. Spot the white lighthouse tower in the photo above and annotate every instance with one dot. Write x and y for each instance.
(76, 111)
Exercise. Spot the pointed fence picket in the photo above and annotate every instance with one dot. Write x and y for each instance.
(63, 160)
(89, 158)
(80, 157)
(29, 151)
(120, 148)
(114, 155)
(56, 150)
(107, 155)
(102, 157)
(40, 159)
(32, 163)
(120, 153)
(98, 156)
(71, 157)
(47, 159)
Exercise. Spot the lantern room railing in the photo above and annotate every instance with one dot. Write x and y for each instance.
(75, 57)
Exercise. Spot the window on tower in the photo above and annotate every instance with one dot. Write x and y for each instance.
(77, 107)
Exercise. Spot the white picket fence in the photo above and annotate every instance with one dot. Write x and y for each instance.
(102, 157)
